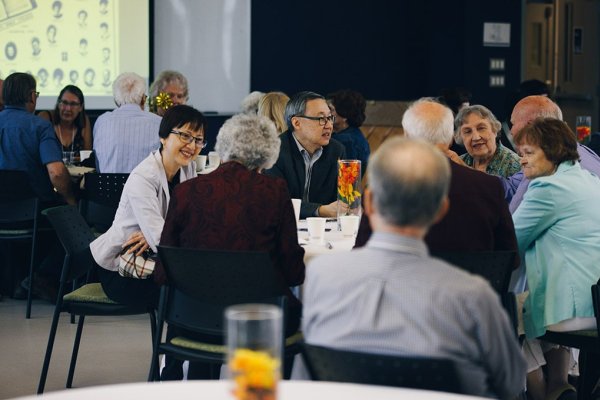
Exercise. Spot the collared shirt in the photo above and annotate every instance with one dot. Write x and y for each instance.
(504, 162)
(309, 161)
(391, 297)
(124, 137)
(28, 143)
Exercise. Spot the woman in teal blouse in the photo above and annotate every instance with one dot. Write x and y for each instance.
(558, 232)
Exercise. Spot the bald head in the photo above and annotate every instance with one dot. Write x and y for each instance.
(408, 180)
(530, 108)
(430, 121)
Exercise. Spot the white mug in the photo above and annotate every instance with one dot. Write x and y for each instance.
(213, 159)
(200, 162)
(349, 224)
(84, 154)
(297, 203)
(316, 229)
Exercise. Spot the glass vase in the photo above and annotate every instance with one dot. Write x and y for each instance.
(349, 189)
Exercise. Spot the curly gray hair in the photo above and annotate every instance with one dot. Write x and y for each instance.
(249, 139)
(480, 110)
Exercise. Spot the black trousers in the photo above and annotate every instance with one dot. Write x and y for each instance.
(129, 290)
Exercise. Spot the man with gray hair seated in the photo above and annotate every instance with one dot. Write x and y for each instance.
(127, 135)
(308, 155)
(391, 297)
(478, 219)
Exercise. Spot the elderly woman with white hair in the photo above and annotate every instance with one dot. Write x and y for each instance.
(477, 129)
(236, 207)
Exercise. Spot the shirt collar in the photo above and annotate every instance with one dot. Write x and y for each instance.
(398, 243)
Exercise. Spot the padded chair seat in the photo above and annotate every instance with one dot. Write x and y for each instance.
(90, 293)
(186, 343)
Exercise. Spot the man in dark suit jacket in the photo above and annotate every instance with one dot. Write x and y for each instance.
(308, 155)
(478, 218)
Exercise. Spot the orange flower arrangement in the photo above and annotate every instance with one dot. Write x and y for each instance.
(255, 374)
(348, 180)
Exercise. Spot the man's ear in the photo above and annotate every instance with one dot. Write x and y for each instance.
(295, 122)
(443, 210)
(368, 202)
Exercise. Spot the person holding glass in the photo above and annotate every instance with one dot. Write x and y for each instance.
(71, 124)
(558, 233)
(139, 220)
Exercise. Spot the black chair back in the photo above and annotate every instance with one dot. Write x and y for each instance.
(327, 364)
(495, 266)
(100, 199)
(75, 235)
(19, 212)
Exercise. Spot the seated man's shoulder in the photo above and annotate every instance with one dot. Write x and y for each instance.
(335, 146)
(475, 180)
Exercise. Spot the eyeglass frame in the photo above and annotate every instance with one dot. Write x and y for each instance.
(192, 138)
(322, 120)
(65, 103)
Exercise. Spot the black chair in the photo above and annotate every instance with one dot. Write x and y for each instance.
(494, 266)
(328, 364)
(89, 299)
(588, 342)
(201, 284)
(100, 199)
(19, 215)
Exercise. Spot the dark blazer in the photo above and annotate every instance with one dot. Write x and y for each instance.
(234, 208)
(323, 178)
(478, 218)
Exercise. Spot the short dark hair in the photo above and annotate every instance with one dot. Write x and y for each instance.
(349, 104)
(17, 89)
(178, 116)
(553, 136)
(297, 105)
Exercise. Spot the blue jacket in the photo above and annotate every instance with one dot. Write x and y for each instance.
(558, 230)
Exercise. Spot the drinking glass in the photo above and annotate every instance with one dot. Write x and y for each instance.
(254, 345)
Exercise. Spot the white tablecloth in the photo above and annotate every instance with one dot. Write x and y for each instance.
(333, 242)
(221, 390)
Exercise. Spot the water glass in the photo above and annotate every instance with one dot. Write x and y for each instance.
(254, 346)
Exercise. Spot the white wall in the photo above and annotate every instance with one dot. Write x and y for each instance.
(209, 42)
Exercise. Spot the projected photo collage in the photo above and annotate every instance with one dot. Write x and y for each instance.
(60, 43)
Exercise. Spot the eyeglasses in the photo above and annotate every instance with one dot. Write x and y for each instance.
(65, 103)
(322, 120)
(37, 94)
(187, 138)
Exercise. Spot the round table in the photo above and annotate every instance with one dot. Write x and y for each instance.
(220, 390)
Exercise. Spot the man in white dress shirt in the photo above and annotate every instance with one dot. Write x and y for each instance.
(391, 297)
(127, 135)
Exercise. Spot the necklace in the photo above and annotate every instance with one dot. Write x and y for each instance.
(61, 137)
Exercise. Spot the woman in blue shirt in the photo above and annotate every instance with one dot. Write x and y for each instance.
(348, 108)
(558, 232)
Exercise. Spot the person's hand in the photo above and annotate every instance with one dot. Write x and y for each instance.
(138, 243)
(330, 210)
(454, 157)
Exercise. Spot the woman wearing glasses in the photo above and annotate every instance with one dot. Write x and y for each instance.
(71, 124)
(141, 214)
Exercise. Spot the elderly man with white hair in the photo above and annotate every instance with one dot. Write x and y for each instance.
(127, 135)
(478, 219)
(391, 297)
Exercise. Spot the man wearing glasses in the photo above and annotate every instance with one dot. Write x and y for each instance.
(308, 155)
(28, 143)
(125, 136)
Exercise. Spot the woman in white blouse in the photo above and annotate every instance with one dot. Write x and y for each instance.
(141, 214)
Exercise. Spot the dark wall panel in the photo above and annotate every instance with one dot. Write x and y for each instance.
(388, 50)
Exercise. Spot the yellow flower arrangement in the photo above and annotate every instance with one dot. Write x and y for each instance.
(348, 179)
(255, 374)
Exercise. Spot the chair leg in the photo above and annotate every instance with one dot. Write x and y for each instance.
(153, 375)
(50, 346)
(75, 351)
(29, 289)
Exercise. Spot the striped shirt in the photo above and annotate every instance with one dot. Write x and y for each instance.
(124, 137)
(391, 297)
